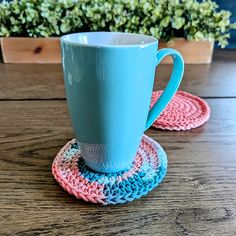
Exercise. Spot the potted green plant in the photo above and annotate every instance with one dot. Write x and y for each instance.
(30, 29)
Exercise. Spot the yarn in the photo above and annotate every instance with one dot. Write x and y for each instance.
(184, 112)
(148, 170)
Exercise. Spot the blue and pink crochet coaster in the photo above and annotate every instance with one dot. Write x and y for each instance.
(148, 170)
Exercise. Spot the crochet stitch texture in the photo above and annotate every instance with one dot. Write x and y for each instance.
(184, 112)
(146, 172)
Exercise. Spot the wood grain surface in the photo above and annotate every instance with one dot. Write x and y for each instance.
(197, 197)
(46, 81)
(30, 50)
(190, 50)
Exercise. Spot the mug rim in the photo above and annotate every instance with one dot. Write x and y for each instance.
(150, 40)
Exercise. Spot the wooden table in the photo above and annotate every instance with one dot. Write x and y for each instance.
(198, 195)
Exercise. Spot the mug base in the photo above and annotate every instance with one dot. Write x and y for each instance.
(109, 158)
(106, 170)
(146, 172)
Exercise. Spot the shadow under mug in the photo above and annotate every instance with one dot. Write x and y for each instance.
(109, 79)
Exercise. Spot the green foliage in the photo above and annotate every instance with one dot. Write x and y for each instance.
(163, 19)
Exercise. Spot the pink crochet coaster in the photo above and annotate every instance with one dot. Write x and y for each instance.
(147, 171)
(184, 112)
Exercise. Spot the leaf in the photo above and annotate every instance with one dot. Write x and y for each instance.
(164, 19)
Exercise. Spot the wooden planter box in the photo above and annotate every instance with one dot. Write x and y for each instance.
(31, 50)
(47, 50)
(194, 52)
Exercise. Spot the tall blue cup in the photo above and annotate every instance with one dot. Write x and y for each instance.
(109, 79)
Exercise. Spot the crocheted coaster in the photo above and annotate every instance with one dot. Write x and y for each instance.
(184, 112)
(147, 171)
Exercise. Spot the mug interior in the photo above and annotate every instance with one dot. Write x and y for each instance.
(107, 39)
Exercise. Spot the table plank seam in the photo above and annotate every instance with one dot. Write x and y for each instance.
(64, 99)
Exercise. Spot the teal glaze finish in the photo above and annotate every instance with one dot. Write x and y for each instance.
(109, 90)
(172, 86)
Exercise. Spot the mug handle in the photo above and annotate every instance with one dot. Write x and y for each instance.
(172, 86)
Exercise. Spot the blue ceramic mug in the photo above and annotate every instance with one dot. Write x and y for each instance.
(109, 79)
